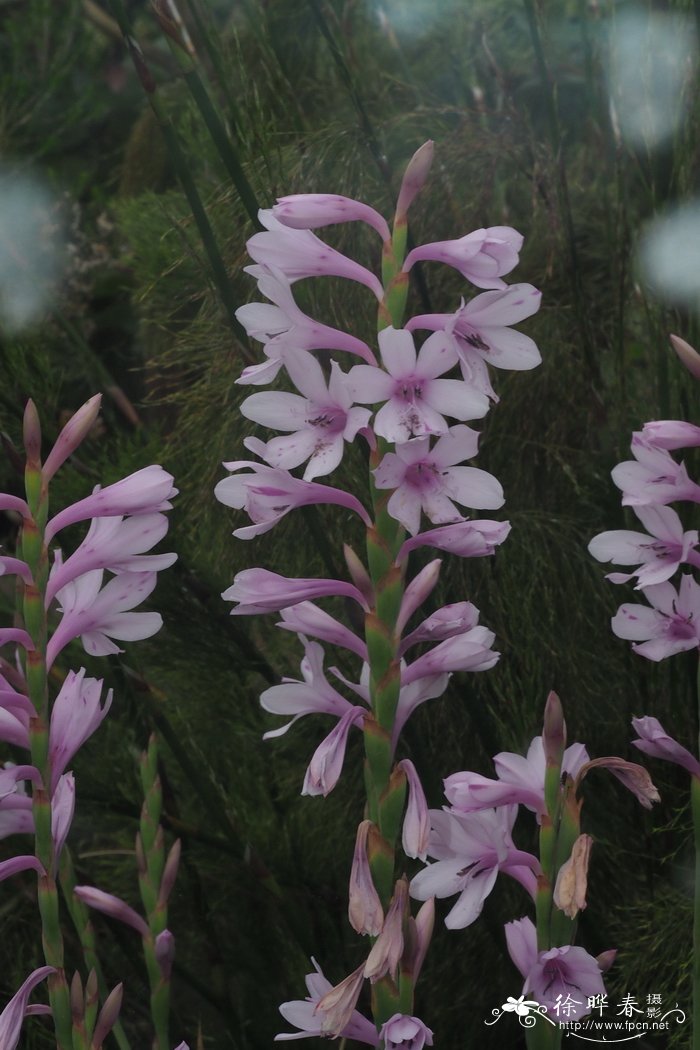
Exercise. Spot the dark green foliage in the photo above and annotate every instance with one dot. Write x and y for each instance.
(263, 883)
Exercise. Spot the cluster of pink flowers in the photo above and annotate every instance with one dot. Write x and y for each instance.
(420, 398)
(68, 593)
(471, 842)
(652, 480)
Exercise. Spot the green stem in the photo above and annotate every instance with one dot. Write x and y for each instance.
(86, 933)
(215, 127)
(35, 554)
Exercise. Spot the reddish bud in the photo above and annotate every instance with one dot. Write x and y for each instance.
(414, 178)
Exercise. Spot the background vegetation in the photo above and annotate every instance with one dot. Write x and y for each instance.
(331, 96)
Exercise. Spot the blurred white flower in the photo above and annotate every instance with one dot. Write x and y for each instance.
(669, 254)
(31, 246)
(650, 58)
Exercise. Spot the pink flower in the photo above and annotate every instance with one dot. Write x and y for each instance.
(447, 622)
(319, 422)
(429, 479)
(480, 331)
(269, 493)
(313, 695)
(308, 618)
(653, 477)
(469, 650)
(259, 591)
(416, 399)
(16, 1010)
(671, 434)
(552, 976)
(114, 543)
(283, 327)
(15, 567)
(75, 715)
(326, 763)
(16, 814)
(309, 211)
(299, 253)
(305, 1015)
(15, 712)
(483, 257)
(469, 850)
(146, 491)
(99, 613)
(655, 741)
(467, 539)
(671, 626)
(520, 780)
(658, 554)
(401, 1032)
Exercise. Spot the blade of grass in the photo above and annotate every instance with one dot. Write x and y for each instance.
(549, 96)
(184, 174)
(185, 57)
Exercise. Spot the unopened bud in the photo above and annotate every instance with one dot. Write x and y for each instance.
(414, 179)
(140, 855)
(688, 356)
(169, 873)
(165, 953)
(73, 434)
(32, 435)
(91, 988)
(417, 591)
(109, 1015)
(572, 880)
(358, 574)
(553, 731)
(606, 959)
(77, 1001)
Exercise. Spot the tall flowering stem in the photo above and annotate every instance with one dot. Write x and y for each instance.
(125, 523)
(416, 467)
(670, 623)
(35, 554)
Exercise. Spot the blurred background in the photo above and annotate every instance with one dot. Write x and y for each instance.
(575, 121)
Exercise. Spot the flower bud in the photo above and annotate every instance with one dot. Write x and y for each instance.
(109, 1014)
(358, 574)
(72, 435)
(553, 731)
(77, 1002)
(414, 179)
(32, 435)
(165, 953)
(169, 873)
(687, 354)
